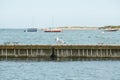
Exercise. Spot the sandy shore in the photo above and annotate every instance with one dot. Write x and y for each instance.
(75, 28)
(80, 28)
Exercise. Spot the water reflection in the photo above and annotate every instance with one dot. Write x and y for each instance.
(59, 59)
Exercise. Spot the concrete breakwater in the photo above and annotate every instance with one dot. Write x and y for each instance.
(60, 51)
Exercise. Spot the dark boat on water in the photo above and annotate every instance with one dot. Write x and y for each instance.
(31, 30)
(110, 30)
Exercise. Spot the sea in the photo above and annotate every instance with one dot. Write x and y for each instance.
(59, 69)
(69, 36)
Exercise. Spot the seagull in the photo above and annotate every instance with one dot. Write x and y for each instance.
(60, 41)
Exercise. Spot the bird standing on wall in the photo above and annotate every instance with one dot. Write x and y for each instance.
(59, 41)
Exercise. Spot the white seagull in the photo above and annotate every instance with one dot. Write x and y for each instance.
(60, 41)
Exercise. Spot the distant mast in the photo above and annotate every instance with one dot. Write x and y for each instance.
(52, 29)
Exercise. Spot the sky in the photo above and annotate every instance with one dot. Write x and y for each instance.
(58, 13)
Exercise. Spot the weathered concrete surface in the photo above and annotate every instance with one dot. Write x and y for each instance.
(60, 51)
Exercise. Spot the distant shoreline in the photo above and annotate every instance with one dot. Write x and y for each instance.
(85, 28)
(78, 28)
(75, 28)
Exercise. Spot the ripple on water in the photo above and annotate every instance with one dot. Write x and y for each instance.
(50, 70)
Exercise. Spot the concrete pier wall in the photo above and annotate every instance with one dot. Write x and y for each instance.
(60, 51)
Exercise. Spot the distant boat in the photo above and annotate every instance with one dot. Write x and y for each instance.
(52, 30)
(31, 30)
(109, 30)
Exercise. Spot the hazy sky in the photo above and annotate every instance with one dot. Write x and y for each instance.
(57, 13)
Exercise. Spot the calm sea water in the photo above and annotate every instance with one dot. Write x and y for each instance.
(69, 36)
(55, 70)
(77, 69)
